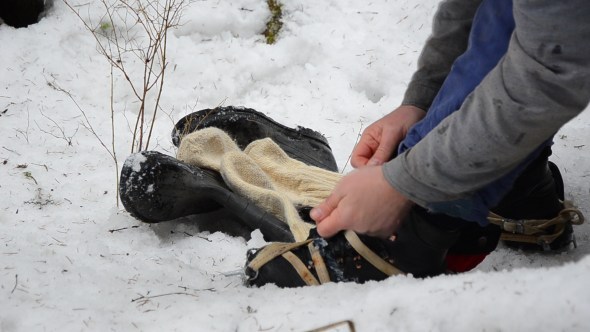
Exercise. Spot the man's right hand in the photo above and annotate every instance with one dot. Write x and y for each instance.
(380, 140)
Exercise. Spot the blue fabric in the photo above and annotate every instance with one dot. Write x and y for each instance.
(491, 30)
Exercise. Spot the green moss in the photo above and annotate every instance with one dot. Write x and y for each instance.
(105, 26)
(274, 25)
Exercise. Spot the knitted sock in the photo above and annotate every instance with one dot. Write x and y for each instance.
(246, 178)
(305, 185)
(263, 173)
(205, 148)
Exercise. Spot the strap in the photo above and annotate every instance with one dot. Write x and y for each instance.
(537, 230)
(368, 254)
(301, 269)
(272, 251)
(283, 249)
(319, 264)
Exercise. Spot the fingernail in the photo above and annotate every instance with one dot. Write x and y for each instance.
(373, 162)
(315, 214)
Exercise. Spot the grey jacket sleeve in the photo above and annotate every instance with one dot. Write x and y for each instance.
(541, 83)
(448, 40)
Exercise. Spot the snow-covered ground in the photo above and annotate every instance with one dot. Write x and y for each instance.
(71, 260)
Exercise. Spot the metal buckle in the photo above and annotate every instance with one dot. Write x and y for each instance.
(250, 274)
(518, 225)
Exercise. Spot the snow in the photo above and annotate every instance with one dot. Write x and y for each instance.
(134, 161)
(72, 260)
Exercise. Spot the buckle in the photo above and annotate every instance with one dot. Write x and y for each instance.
(249, 274)
(518, 225)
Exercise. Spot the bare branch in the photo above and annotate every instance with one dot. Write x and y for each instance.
(133, 29)
(87, 123)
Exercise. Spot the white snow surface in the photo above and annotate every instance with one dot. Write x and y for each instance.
(72, 260)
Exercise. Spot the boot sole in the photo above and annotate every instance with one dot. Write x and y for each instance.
(155, 187)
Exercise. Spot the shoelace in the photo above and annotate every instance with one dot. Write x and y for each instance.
(538, 231)
(275, 249)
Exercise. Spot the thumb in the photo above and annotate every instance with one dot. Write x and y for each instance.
(331, 225)
(326, 216)
(325, 208)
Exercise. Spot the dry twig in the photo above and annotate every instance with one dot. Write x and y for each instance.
(134, 29)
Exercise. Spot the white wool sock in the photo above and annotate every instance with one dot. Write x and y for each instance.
(247, 179)
(305, 185)
(263, 173)
(205, 148)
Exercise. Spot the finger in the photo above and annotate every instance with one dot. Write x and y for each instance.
(324, 209)
(360, 156)
(386, 148)
(363, 151)
(331, 225)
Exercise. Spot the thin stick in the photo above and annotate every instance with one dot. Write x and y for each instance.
(160, 295)
(88, 125)
(112, 102)
(15, 283)
(358, 136)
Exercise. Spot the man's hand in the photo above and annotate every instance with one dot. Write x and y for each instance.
(379, 140)
(363, 201)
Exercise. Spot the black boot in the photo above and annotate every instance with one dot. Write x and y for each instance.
(21, 13)
(155, 187)
(537, 194)
(245, 125)
(419, 248)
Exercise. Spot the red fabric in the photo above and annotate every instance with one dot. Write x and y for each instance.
(462, 263)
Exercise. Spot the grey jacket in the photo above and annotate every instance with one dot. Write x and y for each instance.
(522, 102)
